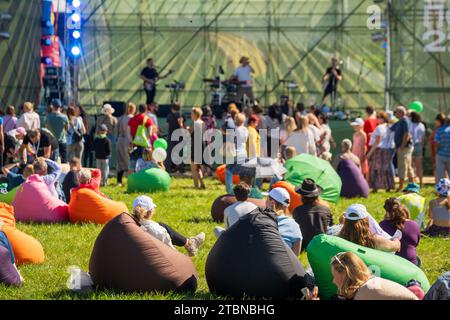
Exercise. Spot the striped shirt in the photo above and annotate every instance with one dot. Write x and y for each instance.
(443, 138)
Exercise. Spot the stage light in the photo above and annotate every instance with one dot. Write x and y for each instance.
(76, 3)
(47, 42)
(76, 17)
(76, 51)
(47, 60)
(76, 34)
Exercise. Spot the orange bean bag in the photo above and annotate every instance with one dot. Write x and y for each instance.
(26, 248)
(87, 205)
(296, 199)
(220, 173)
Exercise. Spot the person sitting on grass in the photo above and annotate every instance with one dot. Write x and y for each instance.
(144, 210)
(415, 203)
(356, 282)
(16, 179)
(278, 200)
(255, 193)
(71, 179)
(147, 161)
(4, 242)
(439, 223)
(356, 229)
(41, 166)
(90, 179)
(238, 209)
(397, 218)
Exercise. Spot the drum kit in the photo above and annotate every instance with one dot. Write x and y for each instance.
(223, 91)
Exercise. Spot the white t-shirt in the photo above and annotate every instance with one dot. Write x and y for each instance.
(315, 131)
(326, 145)
(234, 212)
(387, 141)
(303, 142)
(244, 74)
(156, 230)
(241, 139)
(417, 132)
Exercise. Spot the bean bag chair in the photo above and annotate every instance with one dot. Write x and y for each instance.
(43, 207)
(353, 183)
(221, 203)
(385, 265)
(87, 205)
(8, 274)
(8, 197)
(27, 250)
(150, 180)
(220, 173)
(126, 258)
(250, 258)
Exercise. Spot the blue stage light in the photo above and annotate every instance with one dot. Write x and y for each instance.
(76, 34)
(76, 3)
(76, 51)
(76, 17)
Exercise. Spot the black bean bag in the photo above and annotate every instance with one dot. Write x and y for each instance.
(251, 259)
(8, 273)
(221, 203)
(126, 258)
(353, 183)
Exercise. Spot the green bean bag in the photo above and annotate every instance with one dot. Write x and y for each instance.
(8, 197)
(385, 265)
(150, 180)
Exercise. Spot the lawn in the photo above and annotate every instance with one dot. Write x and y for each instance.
(188, 211)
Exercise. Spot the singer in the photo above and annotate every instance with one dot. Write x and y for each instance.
(331, 79)
(150, 76)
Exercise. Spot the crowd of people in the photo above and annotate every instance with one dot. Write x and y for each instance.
(382, 144)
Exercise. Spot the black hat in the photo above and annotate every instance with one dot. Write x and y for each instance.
(309, 189)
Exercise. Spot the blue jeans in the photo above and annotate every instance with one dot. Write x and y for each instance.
(229, 181)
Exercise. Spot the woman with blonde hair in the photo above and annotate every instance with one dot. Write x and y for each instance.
(123, 142)
(289, 127)
(355, 281)
(302, 139)
(75, 133)
(357, 229)
(29, 119)
(197, 130)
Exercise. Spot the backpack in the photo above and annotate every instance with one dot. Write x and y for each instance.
(141, 137)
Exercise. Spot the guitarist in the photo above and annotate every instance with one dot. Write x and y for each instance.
(331, 79)
(150, 77)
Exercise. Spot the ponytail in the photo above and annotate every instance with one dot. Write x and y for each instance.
(139, 213)
(396, 213)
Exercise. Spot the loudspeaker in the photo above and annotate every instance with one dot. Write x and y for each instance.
(119, 107)
(163, 110)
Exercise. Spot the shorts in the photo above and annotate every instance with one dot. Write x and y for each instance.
(418, 150)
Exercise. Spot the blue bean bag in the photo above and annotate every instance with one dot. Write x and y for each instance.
(353, 183)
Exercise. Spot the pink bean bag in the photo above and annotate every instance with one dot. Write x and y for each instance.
(35, 203)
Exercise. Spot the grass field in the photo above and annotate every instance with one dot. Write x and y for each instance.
(188, 211)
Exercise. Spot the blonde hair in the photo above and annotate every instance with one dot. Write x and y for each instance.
(302, 123)
(290, 152)
(84, 176)
(197, 112)
(358, 232)
(355, 270)
(231, 107)
(131, 108)
(147, 154)
(290, 125)
(239, 119)
(28, 107)
(140, 213)
(28, 171)
(40, 166)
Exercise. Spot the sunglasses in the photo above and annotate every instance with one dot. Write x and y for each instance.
(336, 259)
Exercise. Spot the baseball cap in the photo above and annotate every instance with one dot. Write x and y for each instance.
(103, 127)
(357, 122)
(280, 195)
(356, 212)
(56, 103)
(144, 202)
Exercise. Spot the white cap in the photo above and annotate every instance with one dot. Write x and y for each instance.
(281, 196)
(356, 212)
(107, 107)
(144, 202)
(357, 122)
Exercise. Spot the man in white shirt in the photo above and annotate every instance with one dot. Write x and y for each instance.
(234, 212)
(244, 76)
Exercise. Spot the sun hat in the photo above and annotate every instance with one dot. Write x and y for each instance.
(356, 212)
(107, 107)
(443, 187)
(281, 196)
(412, 187)
(357, 122)
(144, 202)
(309, 189)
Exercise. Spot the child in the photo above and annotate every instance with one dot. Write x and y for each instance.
(40, 167)
(144, 211)
(147, 162)
(16, 179)
(103, 151)
(71, 178)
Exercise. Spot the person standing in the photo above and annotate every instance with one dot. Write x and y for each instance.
(331, 79)
(418, 133)
(360, 145)
(123, 143)
(404, 147)
(370, 124)
(110, 121)
(75, 133)
(133, 125)
(243, 74)
(197, 130)
(175, 121)
(10, 119)
(103, 150)
(29, 120)
(302, 138)
(442, 141)
(58, 124)
(254, 140)
(439, 122)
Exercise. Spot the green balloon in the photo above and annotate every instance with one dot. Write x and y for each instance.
(160, 143)
(416, 106)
